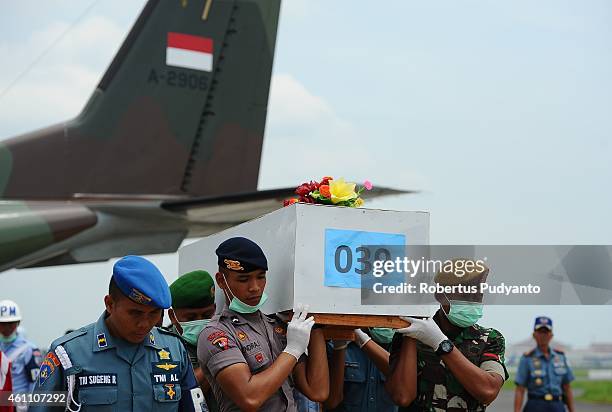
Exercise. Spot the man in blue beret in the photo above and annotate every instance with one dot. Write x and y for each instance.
(545, 374)
(252, 360)
(123, 362)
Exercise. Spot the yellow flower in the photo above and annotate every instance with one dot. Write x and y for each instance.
(341, 190)
(359, 202)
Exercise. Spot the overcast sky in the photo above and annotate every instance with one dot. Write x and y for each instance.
(498, 111)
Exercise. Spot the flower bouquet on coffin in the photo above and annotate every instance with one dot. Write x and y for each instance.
(330, 191)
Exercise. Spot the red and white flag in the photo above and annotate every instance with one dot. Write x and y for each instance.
(189, 51)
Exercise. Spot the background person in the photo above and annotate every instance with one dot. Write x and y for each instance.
(358, 371)
(6, 384)
(193, 304)
(24, 356)
(545, 374)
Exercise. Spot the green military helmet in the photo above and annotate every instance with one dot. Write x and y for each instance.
(193, 290)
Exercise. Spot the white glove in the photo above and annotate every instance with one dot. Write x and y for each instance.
(298, 332)
(424, 330)
(361, 338)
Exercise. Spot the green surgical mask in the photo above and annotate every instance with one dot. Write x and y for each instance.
(8, 339)
(382, 335)
(464, 314)
(239, 306)
(192, 329)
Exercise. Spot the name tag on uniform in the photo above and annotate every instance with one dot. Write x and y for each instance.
(97, 379)
(165, 378)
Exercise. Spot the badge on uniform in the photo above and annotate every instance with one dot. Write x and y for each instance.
(167, 366)
(280, 330)
(259, 357)
(241, 335)
(233, 264)
(46, 370)
(538, 381)
(102, 340)
(221, 342)
(164, 354)
(47, 367)
(169, 391)
(151, 339)
(139, 297)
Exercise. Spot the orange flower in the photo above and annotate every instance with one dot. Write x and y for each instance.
(324, 190)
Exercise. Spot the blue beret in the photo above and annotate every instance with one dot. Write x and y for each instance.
(241, 255)
(542, 322)
(141, 281)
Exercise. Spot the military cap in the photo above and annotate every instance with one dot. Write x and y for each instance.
(141, 281)
(193, 290)
(240, 254)
(462, 271)
(543, 322)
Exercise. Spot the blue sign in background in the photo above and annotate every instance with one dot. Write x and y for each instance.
(344, 254)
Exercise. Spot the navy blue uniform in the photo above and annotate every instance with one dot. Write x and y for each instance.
(364, 384)
(102, 372)
(544, 379)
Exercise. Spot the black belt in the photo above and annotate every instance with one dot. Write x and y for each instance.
(547, 397)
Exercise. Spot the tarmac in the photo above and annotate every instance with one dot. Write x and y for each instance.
(505, 403)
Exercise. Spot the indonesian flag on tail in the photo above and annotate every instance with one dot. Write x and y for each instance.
(189, 51)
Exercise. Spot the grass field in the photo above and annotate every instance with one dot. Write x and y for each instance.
(584, 390)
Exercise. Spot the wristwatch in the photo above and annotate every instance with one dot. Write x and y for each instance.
(446, 347)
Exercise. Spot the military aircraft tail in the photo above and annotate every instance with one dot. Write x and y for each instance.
(179, 113)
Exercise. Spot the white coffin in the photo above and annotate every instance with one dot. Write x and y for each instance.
(294, 241)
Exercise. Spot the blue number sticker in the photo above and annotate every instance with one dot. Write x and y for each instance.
(346, 257)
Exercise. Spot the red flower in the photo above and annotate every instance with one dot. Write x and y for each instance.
(305, 188)
(326, 179)
(288, 202)
(306, 199)
(324, 190)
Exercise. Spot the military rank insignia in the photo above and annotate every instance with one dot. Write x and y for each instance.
(164, 354)
(233, 265)
(101, 337)
(167, 366)
(280, 330)
(241, 335)
(139, 297)
(151, 339)
(169, 391)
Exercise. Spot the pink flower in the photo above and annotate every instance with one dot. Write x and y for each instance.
(368, 185)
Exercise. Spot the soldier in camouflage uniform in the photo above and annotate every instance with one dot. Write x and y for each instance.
(193, 304)
(448, 362)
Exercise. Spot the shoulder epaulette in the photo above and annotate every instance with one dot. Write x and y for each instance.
(70, 336)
